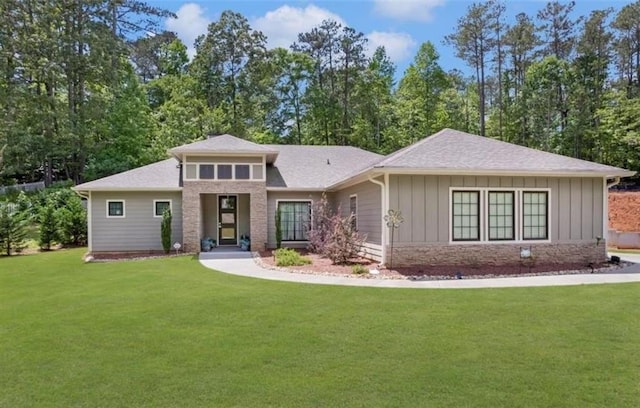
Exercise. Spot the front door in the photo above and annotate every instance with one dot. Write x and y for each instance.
(228, 220)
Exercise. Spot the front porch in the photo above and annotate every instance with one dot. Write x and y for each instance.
(226, 215)
(225, 252)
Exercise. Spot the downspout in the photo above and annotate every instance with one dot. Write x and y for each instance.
(383, 203)
(605, 205)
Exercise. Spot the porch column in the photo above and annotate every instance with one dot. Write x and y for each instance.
(258, 218)
(191, 219)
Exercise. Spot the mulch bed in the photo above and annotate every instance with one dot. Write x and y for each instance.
(323, 266)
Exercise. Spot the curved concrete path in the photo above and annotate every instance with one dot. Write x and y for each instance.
(242, 264)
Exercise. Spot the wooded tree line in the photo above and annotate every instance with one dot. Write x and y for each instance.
(86, 90)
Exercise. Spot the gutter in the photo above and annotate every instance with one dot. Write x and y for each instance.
(384, 211)
(616, 181)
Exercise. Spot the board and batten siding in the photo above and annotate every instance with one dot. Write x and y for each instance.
(272, 198)
(139, 230)
(369, 208)
(575, 204)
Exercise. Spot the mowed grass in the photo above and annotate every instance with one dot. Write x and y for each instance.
(169, 332)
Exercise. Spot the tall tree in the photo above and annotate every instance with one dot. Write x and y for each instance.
(474, 42)
(221, 65)
(627, 46)
(419, 92)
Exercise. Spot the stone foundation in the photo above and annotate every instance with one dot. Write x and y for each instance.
(498, 254)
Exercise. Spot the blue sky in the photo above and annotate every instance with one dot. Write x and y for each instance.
(400, 25)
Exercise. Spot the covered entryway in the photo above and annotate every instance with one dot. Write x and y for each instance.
(225, 218)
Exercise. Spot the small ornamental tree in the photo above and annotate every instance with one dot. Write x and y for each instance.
(48, 226)
(333, 236)
(72, 222)
(13, 229)
(165, 230)
(278, 221)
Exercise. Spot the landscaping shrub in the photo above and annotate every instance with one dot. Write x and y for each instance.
(72, 222)
(333, 236)
(48, 226)
(165, 230)
(290, 257)
(13, 229)
(359, 269)
(278, 221)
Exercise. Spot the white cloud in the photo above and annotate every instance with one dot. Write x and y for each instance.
(191, 23)
(408, 10)
(399, 46)
(282, 25)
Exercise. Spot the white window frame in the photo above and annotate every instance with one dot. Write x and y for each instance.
(484, 215)
(297, 200)
(355, 214)
(155, 215)
(216, 171)
(124, 208)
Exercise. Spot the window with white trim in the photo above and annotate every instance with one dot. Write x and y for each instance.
(466, 215)
(159, 206)
(115, 209)
(223, 171)
(499, 214)
(535, 217)
(295, 220)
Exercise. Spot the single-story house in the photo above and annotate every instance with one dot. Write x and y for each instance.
(465, 199)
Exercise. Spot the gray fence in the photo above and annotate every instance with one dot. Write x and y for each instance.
(26, 187)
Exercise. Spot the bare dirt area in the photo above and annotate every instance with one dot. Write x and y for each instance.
(624, 211)
(323, 266)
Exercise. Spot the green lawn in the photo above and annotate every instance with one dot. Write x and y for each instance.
(170, 333)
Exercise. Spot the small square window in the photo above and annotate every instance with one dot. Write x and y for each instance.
(115, 209)
(224, 172)
(159, 206)
(242, 172)
(206, 172)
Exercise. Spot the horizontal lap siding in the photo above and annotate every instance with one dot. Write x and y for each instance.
(139, 230)
(575, 204)
(369, 212)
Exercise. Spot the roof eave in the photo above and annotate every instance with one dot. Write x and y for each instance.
(309, 189)
(495, 172)
(125, 189)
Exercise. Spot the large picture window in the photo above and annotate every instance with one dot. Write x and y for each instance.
(499, 214)
(466, 215)
(295, 220)
(534, 215)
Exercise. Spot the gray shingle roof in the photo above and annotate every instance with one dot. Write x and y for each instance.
(317, 167)
(459, 151)
(225, 144)
(162, 175)
(320, 167)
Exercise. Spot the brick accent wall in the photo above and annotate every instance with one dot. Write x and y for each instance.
(497, 254)
(192, 209)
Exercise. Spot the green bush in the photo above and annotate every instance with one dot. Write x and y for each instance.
(48, 226)
(13, 229)
(290, 257)
(72, 221)
(165, 230)
(359, 269)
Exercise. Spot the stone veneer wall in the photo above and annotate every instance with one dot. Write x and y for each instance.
(192, 211)
(498, 254)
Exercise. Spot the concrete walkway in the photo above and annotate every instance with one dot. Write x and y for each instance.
(242, 264)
